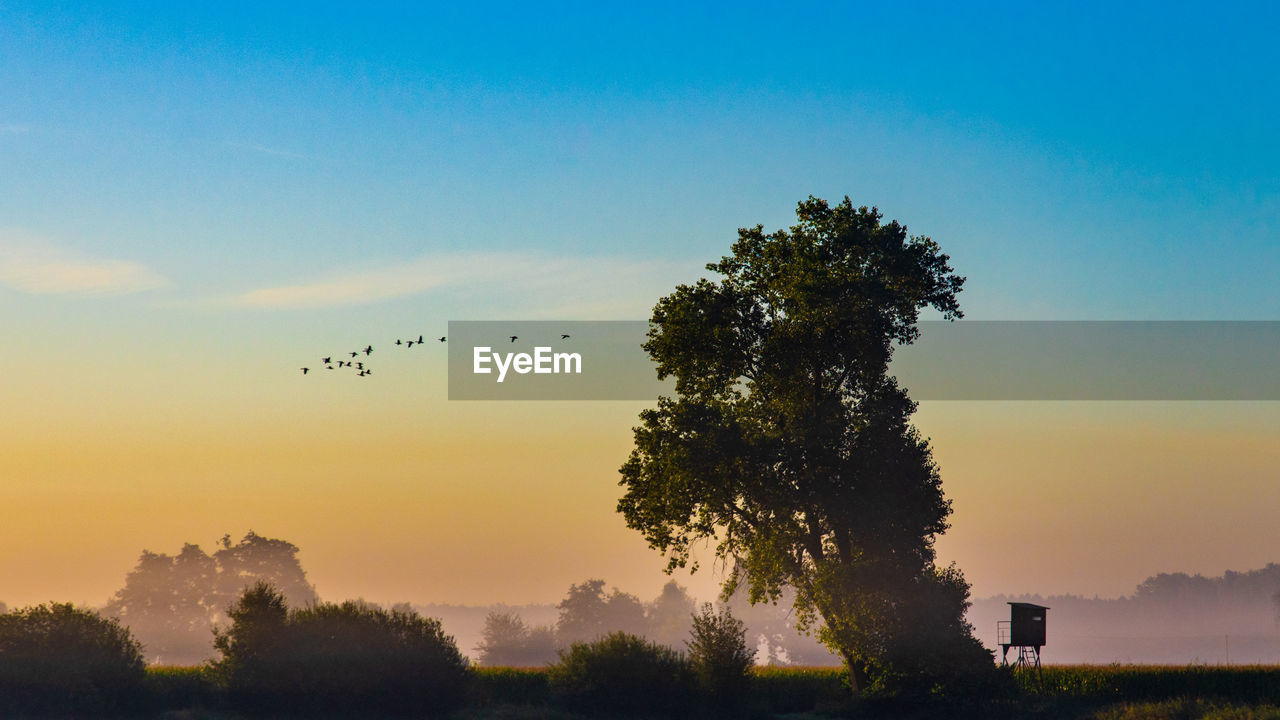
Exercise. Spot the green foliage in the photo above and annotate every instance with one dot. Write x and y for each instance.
(179, 687)
(1187, 709)
(507, 640)
(787, 442)
(719, 654)
(510, 686)
(59, 658)
(621, 674)
(349, 657)
(1243, 683)
(789, 689)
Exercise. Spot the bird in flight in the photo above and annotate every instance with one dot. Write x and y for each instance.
(514, 338)
(442, 338)
(304, 370)
(368, 350)
(419, 339)
(564, 337)
(355, 353)
(409, 344)
(399, 341)
(359, 366)
(328, 360)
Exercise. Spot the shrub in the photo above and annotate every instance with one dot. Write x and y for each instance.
(347, 658)
(621, 674)
(59, 658)
(719, 654)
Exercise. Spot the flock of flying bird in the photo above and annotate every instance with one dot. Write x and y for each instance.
(359, 365)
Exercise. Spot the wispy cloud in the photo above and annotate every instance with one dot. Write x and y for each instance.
(350, 289)
(38, 267)
(14, 128)
(546, 285)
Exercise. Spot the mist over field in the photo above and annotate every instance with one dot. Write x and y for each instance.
(172, 602)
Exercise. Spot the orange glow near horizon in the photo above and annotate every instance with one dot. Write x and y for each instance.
(401, 495)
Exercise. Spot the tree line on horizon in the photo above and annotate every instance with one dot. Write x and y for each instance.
(351, 658)
(173, 603)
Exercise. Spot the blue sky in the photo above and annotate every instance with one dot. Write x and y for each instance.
(1081, 161)
(195, 197)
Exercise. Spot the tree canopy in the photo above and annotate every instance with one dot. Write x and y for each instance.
(788, 445)
(172, 602)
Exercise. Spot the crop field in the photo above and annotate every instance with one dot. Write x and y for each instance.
(1086, 692)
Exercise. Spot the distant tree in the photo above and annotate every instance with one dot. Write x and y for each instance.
(256, 558)
(774, 626)
(172, 602)
(625, 613)
(788, 444)
(669, 617)
(587, 613)
(59, 659)
(507, 641)
(542, 648)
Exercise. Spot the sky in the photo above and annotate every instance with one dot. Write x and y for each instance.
(198, 200)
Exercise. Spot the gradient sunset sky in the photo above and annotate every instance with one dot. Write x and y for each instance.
(198, 199)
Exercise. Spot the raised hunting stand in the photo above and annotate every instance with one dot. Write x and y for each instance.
(1023, 630)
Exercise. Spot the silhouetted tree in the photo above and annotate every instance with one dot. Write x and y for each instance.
(788, 443)
(254, 646)
(670, 616)
(256, 558)
(719, 654)
(507, 640)
(172, 602)
(622, 674)
(58, 658)
(347, 658)
(586, 613)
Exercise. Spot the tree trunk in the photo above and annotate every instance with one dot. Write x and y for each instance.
(858, 679)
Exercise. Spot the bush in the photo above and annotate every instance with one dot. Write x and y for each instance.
(719, 654)
(622, 674)
(347, 658)
(61, 659)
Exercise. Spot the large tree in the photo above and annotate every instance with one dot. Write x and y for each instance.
(172, 602)
(788, 445)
